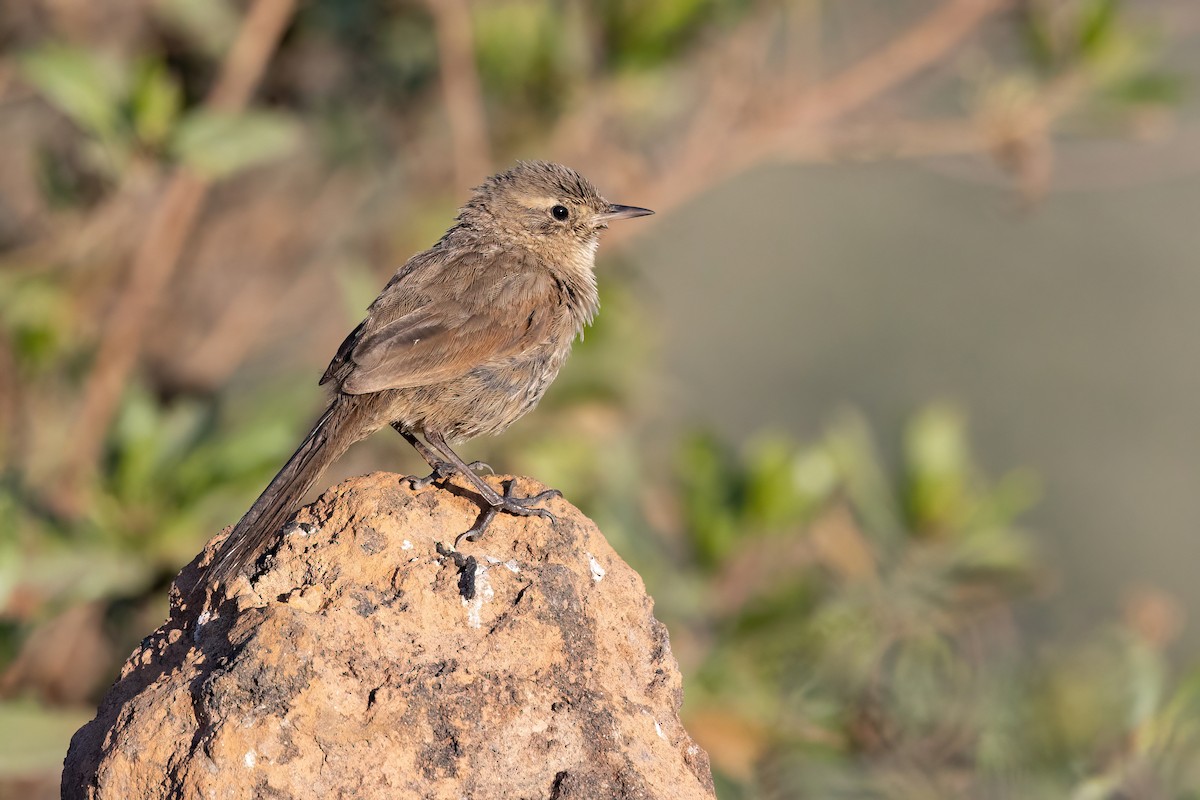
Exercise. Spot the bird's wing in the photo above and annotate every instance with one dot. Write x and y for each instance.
(341, 362)
(443, 339)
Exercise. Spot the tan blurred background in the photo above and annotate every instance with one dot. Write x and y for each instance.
(893, 403)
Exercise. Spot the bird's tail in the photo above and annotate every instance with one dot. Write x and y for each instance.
(332, 434)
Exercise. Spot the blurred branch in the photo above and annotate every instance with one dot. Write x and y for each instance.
(242, 322)
(461, 92)
(908, 54)
(158, 255)
(911, 52)
(726, 136)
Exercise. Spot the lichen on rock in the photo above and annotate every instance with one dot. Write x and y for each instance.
(364, 659)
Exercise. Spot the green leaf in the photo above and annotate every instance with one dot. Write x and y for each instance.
(771, 498)
(862, 477)
(37, 316)
(936, 451)
(1099, 18)
(1151, 88)
(157, 100)
(646, 34)
(210, 25)
(711, 495)
(219, 144)
(86, 87)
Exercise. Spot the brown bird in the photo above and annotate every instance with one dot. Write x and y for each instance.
(463, 341)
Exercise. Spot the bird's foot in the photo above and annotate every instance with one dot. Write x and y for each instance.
(518, 506)
(441, 471)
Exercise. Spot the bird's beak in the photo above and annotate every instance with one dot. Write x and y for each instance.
(623, 212)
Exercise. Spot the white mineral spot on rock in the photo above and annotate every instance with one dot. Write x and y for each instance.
(250, 758)
(406, 545)
(511, 564)
(201, 621)
(658, 729)
(597, 570)
(483, 593)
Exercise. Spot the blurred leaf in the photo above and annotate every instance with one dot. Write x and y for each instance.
(1147, 682)
(862, 477)
(710, 490)
(219, 144)
(646, 33)
(814, 475)
(86, 87)
(156, 103)
(1117, 57)
(1150, 88)
(509, 39)
(210, 25)
(36, 316)
(1178, 724)
(521, 58)
(771, 498)
(150, 438)
(1097, 24)
(938, 469)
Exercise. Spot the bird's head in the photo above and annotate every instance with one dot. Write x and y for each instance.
(547, 206)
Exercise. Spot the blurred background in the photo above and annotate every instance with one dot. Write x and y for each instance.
(893, 404)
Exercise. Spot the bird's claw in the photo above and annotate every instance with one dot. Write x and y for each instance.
(518, 506)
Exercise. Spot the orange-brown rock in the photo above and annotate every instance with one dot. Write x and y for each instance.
(359, 662)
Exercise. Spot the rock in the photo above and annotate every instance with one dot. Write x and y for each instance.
(359, 662)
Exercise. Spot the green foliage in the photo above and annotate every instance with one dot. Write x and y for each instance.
(173, 473)
(173, 470)
(515, 43)
(712, 495)
(155, 103)
(35, 317)
(1097, 39)
(209, 25)
(218, 145)
(139, 108)
(870, 647)
(85, 86)
(646, 34)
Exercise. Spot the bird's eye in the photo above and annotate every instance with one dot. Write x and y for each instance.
(560, 213)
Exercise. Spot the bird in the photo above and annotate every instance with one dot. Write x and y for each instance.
(463, 341)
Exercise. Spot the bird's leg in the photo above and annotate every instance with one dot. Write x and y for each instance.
(496, 502)
(441, 468)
